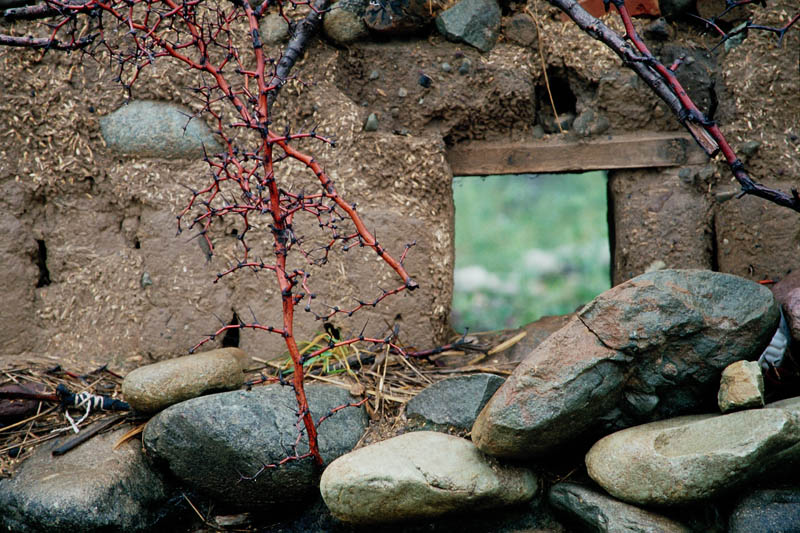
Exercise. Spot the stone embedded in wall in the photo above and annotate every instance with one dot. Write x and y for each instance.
(344, 23)
(656, 216)
(693, 458)
(475, 22)
(455, 401)
(767, 510)
(520, 29)
(675, 9)
(599, 512)
(157, 129)
(589, 123)
(274, 29)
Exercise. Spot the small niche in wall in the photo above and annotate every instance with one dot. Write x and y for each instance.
(527, 246)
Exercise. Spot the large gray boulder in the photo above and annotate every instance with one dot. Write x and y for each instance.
(93, 488)
(599, 512)
(693, 458)
(420, 475)
(214, 443)
(148, 128)
(651, 348)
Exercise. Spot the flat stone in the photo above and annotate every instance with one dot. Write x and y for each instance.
(420, 475)
(454, 402)
(213, 443)
(93, 488)
(157, 129)
(693, 458)
(151, 388)
(651, 348)
(475, 22)
(741, 387)
(767, 511)
(599, 512)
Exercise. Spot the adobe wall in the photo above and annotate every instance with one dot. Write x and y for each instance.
(104, 219)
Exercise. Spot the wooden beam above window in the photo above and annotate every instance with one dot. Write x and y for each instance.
(642, 150)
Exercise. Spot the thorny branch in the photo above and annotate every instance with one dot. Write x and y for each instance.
(661, 79)
(238, 83)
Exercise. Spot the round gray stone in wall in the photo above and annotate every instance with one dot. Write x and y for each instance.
(157, 129)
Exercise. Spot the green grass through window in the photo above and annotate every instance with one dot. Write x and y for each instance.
(528, 246)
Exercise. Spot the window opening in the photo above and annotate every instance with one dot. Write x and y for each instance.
(528, 246)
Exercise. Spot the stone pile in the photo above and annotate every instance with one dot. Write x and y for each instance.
(634, 377)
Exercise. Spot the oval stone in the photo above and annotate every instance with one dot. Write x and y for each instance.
(692, 458)
(420, 475)
(151, 388)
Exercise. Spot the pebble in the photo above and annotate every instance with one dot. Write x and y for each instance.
(371, 124)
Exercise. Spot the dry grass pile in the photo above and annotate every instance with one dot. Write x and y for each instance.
(384, 379)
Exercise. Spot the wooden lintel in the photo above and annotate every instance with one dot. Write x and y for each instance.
(482, 158)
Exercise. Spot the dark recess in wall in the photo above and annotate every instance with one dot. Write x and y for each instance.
(41, 262)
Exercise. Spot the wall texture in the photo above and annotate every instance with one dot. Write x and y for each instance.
(93, 273)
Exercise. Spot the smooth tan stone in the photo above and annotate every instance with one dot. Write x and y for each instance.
(420, 475)
(151, 388)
